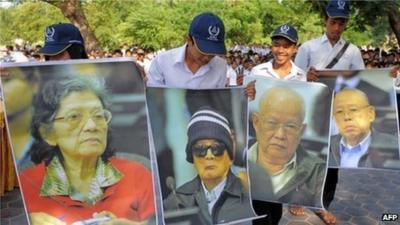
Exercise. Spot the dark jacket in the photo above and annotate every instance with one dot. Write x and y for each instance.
(305, 187)
(383, 147)
(232, 204)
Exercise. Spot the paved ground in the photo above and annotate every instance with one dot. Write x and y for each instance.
(361, 198)
(12, 209)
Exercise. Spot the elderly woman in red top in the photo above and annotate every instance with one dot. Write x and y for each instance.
(76, 177)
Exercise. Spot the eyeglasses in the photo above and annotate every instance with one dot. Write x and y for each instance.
(75, 118)
(351, 111)
(290, 128)
(217, 149)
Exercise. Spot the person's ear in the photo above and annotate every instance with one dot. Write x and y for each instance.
(256, 121)
(302, 130)
(296, 47)
(371, 114)
(189, 40)
(47, 135)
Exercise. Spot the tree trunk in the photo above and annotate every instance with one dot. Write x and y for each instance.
(72, 10)
(394, 20)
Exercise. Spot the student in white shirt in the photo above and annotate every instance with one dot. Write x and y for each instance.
(284, 46)
(318, 54)
(197, 64)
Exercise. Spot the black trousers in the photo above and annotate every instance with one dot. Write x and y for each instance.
(330, 186)
(273, 210)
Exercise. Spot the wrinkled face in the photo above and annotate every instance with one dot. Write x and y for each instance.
(283, 50)
(194, 53)
(278, 129)
(334, 28)
(353, 115)
(80, 126)
(18, 93)
(211, 167)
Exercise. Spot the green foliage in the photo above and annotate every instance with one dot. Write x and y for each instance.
(27, 21)
(164, 23)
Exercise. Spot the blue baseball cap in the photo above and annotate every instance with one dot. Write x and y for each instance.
(338, 9)
(208, 33)
(59, 37)
(287, 32)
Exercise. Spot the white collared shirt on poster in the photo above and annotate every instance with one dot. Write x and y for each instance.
(213, 195)
(282, 177)
(350, 155)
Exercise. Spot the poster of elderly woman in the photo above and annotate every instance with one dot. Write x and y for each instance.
(88, 154)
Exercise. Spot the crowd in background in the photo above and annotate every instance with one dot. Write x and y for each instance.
(241, 58)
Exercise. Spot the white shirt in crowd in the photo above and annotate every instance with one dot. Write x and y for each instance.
(319, 53)
(169, 69)
(231, 75)
(266, 69)
(145, 64)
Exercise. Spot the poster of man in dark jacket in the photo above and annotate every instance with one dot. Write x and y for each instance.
(286, 154)
(208, 183)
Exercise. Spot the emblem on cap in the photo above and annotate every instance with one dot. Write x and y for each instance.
(284, 29)
(341, 4)
(49, 34)
(213, 31)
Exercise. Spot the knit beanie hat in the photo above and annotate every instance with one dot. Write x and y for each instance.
(207, 123)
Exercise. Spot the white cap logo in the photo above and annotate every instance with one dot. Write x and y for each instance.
(284, 29)
(341, 4)
(49, 34)
(213, 31)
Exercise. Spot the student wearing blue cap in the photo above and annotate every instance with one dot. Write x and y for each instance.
(284, 46)
(63, 41)
(197, 64)
(331, 51)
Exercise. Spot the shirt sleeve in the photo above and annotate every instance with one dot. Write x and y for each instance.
(223, 77)
(156, 77)
(302, 57)
(357, 63)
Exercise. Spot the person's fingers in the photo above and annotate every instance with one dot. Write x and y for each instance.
(394, 71)
(44, 219)
(250, 90)
(239, 79)
(104, 214)
(312, 74)
(123, 221)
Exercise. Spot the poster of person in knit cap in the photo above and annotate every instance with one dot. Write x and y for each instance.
(287, 157)
(206, 140)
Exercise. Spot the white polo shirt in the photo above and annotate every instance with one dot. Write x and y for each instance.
(231, 75)
(266, 69)
(169, 69)
(319, 53)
